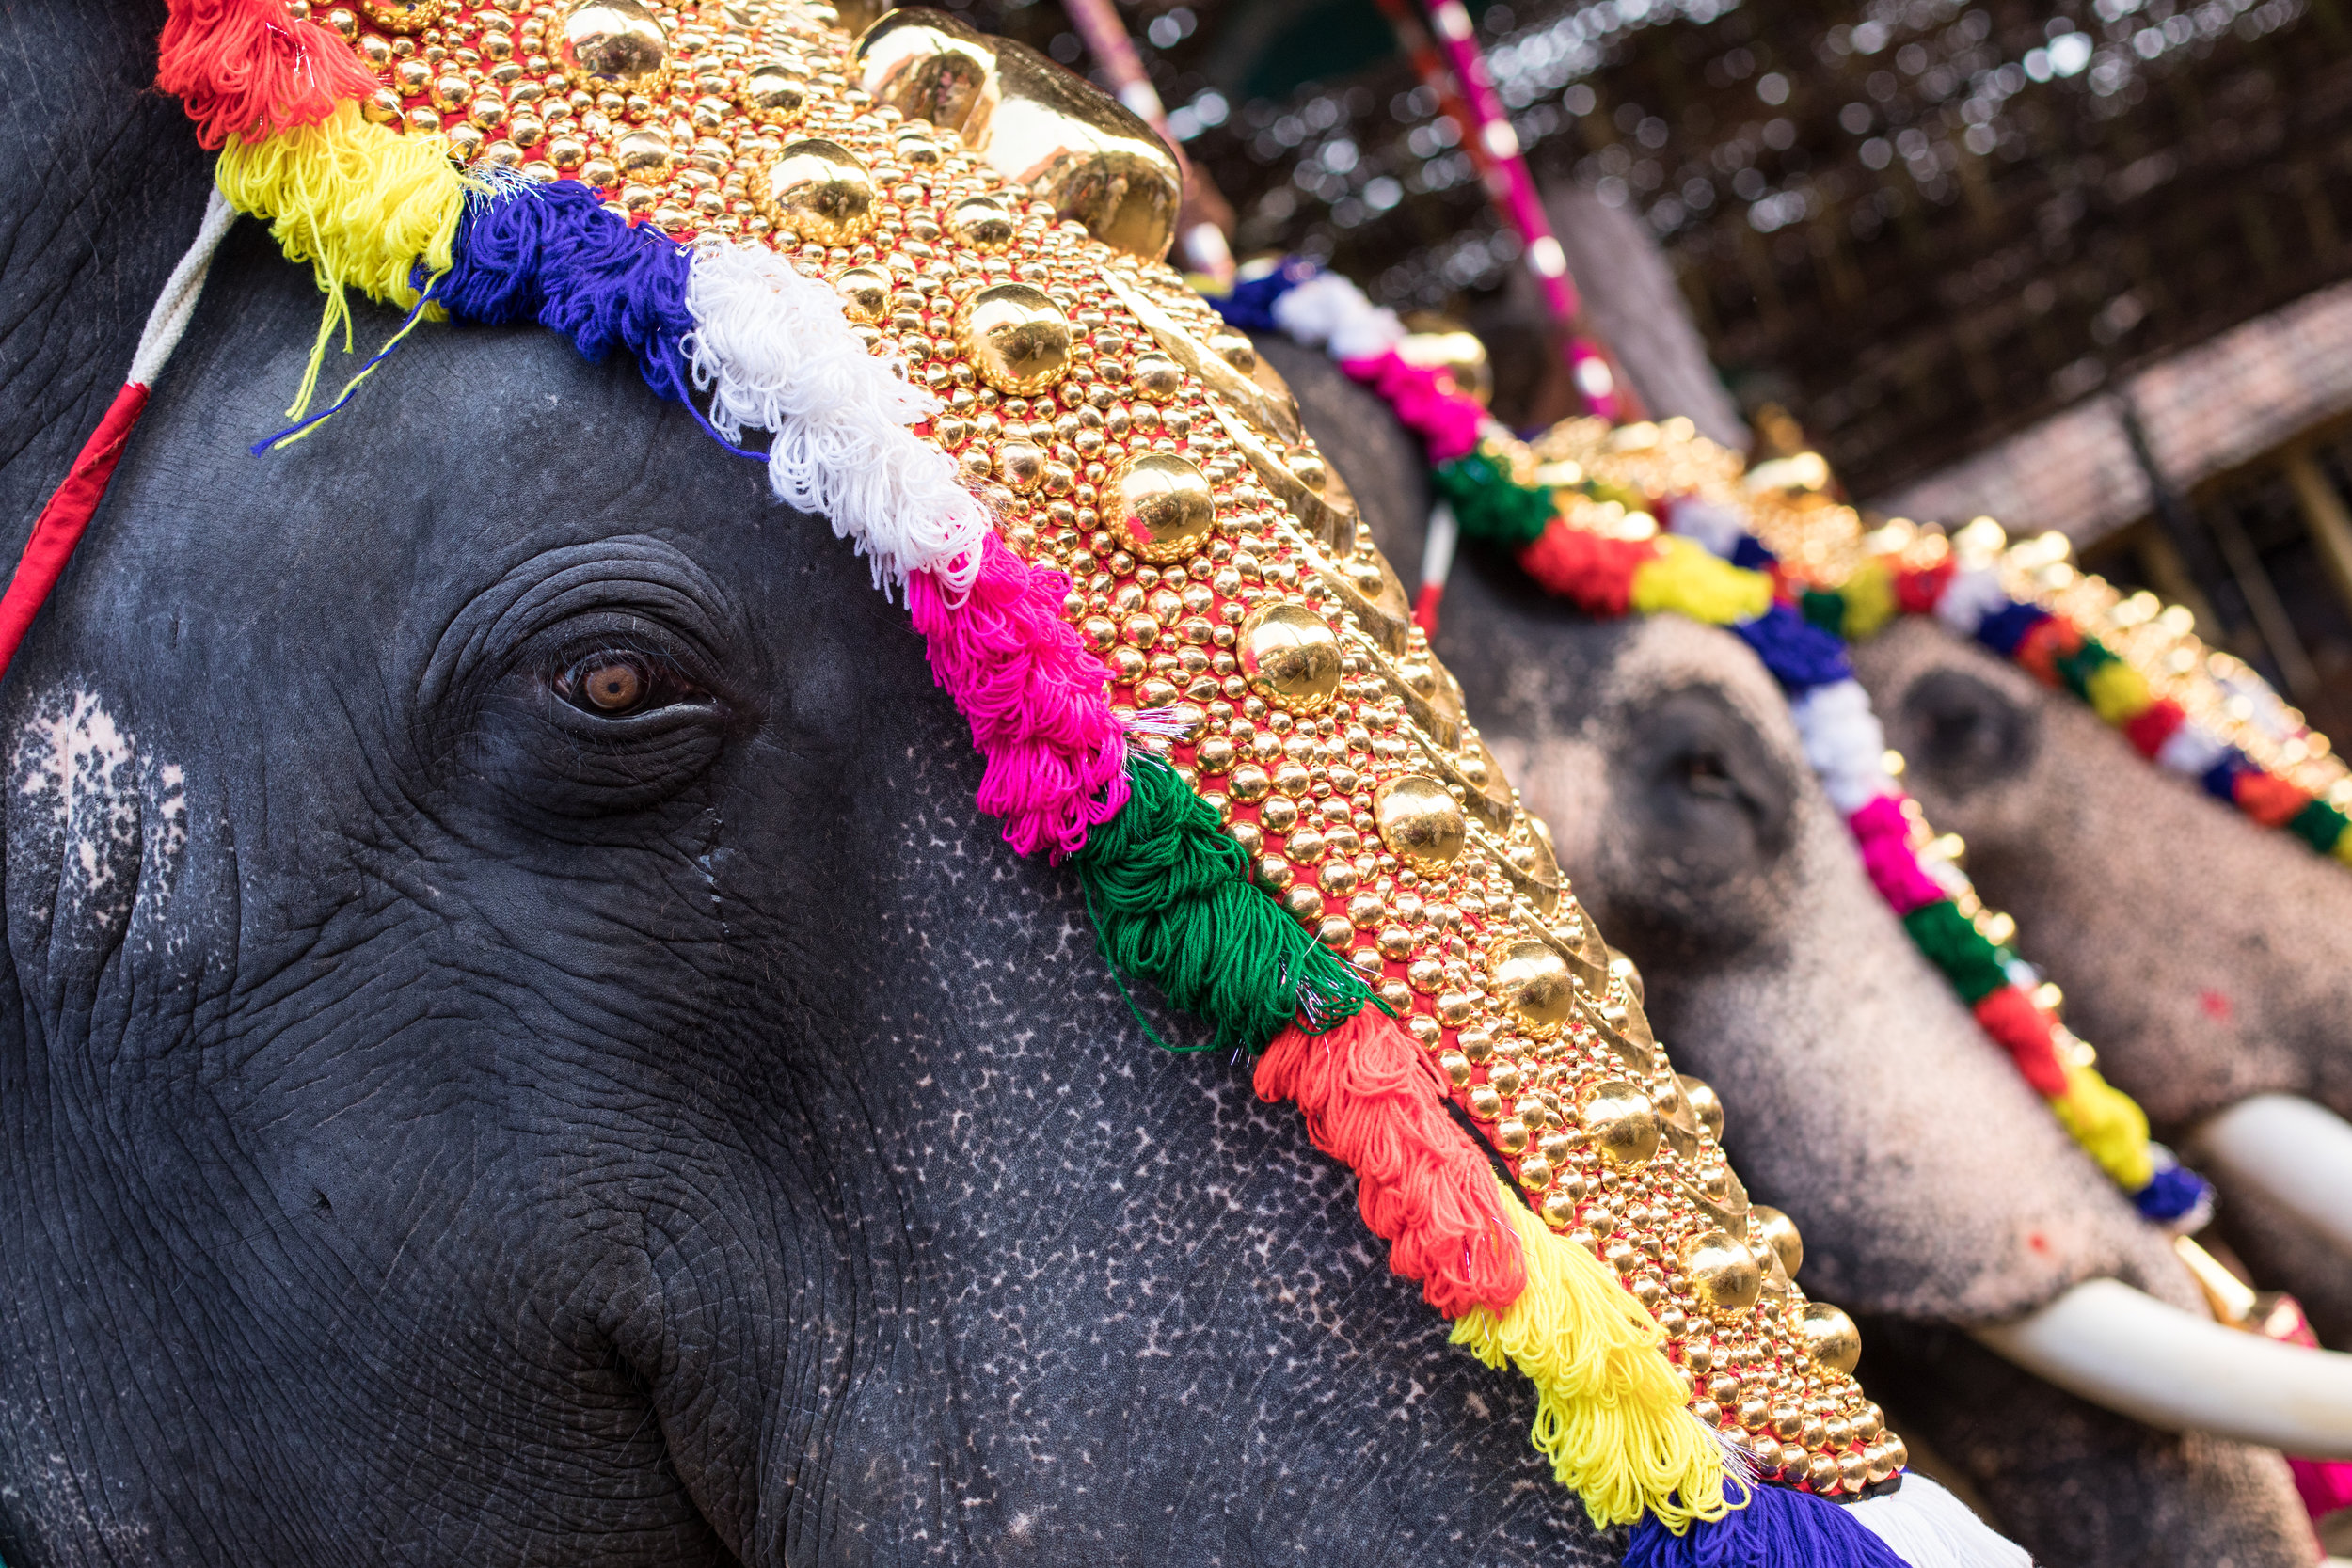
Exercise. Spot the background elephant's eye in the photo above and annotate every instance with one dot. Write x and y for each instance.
(1704, 773)
(609, 684)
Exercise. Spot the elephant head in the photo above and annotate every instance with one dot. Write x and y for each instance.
(2226, 1020)
(1934, 1192)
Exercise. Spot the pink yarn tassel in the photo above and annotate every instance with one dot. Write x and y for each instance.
(1427, 402)
(1035, 699)
(1884, 835)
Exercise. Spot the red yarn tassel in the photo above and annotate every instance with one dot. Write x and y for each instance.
(1425, 1187)
(2154, 724)
(2010, 1015)
(1917, 592)
(1593, 572)
(245, 69)
(2268, 799)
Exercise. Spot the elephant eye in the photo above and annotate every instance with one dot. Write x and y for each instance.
(616, 683)
(1706, 773)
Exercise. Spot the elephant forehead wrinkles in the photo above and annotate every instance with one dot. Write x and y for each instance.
(1664, 653)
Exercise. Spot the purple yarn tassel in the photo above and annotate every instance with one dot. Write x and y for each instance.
(1779, 1529)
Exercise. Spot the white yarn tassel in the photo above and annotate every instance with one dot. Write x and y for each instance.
(1329, 312)
(1844, 743)
(1970, 597)
(778, 355)
(176, 306)
(1928, 1528)
(2192, 748)
(1437, 546)
(1717, 528)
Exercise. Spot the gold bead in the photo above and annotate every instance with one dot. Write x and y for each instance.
(865, 293)
(1853, 1471)
(981, 222)
(1485, 1103)
(1336, 933)
(1820, 1472)
(1304, 903)
(1249, 783)
(614, 43)
(1159, 506)
(1621, 1122)
(1275, 872)
(1534, 987)
(1396, 944)
(1020, 466)
(1018, 337)
(1559, 1207)
(1831, 1342)
(1419, 821)
(404, 16)
(1337, 878)
(772, 95)
(1706, 1104)
(1425, 975)
(1769, 1225)
(1290, 656)
(817, 191)
(1724, 1276)
(1157, 376)
(1455, 1067)
(1279, 815)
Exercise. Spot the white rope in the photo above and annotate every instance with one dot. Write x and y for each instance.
(176, 305)
(1437, 549)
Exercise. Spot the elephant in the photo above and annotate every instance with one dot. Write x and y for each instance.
(1664, 759)
(2243, 1002)
(449, 1110)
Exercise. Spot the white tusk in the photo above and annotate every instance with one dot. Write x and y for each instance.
(2293, 1153)
(2123, 1349)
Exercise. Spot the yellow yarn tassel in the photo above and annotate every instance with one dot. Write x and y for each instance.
(363, 205)
(1869, 595)
(2117, 691)
(2343, 847)
(1685, 578)
(2110, 1125)
(1609, 1411)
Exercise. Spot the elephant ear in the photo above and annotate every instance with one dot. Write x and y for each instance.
(1178, 655)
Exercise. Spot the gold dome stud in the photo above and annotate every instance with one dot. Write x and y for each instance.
(1161, 506)
(1831, 1342)
(1724, 1276)
(1705, 1104)
(818, 190)
(1056, 136)
(865, 293)
(1018, 337)
(1621, 1122)
(981, 222)
(616, 43)
(1419, 821)
(1767, 1225)
(404, 16)
(772, 94)
(1534, 987)
(1290, 656)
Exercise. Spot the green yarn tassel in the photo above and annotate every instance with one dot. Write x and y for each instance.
(1824, 610)
(1172, 903)
(1972, 965)
(2076, 669)
(1488, 506)
(2319, 825)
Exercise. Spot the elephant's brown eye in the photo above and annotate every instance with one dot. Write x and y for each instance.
(609, 683)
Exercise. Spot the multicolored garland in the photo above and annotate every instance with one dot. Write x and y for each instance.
(1184, 667)
(1560, 523)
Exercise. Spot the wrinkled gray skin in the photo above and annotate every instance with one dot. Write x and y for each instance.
(2208, 958)
(441, 1124)
(1932, 1188)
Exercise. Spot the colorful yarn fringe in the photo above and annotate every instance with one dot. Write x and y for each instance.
(1171, 893)
(1725, 577)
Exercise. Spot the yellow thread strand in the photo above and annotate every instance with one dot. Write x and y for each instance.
(2111, 1128)
(2117, 691)
(1869, 595)
(1685, 578)
(1610, 1408)
(360, 203)
(365, 371)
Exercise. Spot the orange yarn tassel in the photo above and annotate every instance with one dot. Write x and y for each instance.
(245, 69)
(1423, 1185)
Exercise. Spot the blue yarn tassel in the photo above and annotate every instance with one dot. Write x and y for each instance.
(1778, 1529)
(553, 255)
(1251, 306)
(1799, 656)
(2002, 630)
(2171, 1193)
